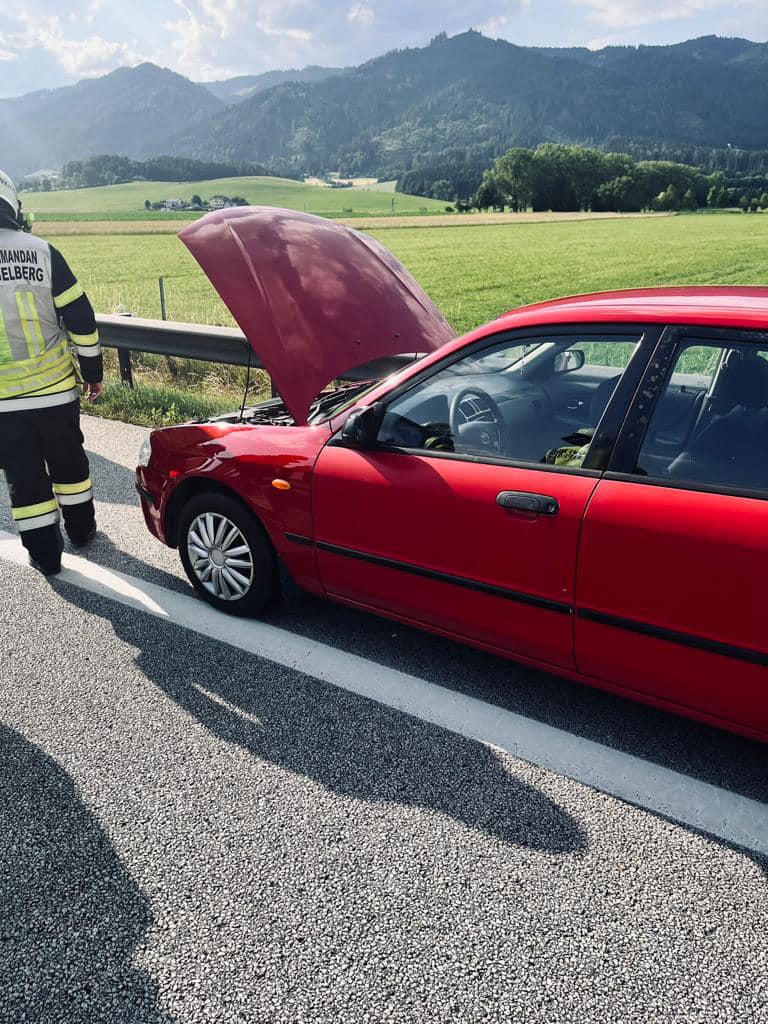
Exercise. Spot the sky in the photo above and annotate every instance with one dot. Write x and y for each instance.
(45, 44)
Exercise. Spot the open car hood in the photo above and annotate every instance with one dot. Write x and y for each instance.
(315, 299)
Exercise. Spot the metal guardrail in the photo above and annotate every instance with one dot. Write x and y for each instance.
(196, 341)
(168, 338)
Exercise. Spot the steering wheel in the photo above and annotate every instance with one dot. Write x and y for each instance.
(476, 422)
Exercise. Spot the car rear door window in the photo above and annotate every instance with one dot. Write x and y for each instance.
(710, 424)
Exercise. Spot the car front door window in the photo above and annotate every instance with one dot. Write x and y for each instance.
(537, 402)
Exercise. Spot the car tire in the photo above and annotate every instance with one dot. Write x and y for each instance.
(226, 554)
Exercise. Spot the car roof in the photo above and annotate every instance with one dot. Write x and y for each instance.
(710, 306)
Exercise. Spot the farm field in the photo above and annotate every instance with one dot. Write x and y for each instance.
(128, 200)
(473, 273)
(171, 224)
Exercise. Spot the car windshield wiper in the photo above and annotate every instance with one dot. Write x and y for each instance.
(327, 402)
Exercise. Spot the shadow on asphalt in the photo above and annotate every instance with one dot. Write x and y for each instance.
(347, 744)
(699, 751)
(104, 552)
(71, 914)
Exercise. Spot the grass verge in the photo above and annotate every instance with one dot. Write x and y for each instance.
(151, 405)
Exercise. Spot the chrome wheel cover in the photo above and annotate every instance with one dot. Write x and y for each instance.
(220, 556)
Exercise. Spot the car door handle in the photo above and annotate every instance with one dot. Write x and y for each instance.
(524, 501)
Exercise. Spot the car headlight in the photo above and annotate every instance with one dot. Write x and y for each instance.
(145, 452)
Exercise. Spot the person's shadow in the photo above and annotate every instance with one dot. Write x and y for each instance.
(349, 745)
(70, 914)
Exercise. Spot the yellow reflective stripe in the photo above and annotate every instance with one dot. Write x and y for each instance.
(30, 511)
(38, 522)
(40, 364)
(36, 322)
(37, 379)
(68, 296)
(85, 339)
(25, 321)
(6, 356)
(84, 485)
(66, 384)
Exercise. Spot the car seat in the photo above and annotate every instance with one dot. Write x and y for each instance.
(732, 449)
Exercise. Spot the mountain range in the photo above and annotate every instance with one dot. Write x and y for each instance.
(463, 94)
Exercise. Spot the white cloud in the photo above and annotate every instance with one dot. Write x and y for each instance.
(225, 14)
(502, 23)
(628, 14)
(222, 38)
(361, 14)
(91, 55)
(8, 55)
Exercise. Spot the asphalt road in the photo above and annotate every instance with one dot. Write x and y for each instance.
(192, 833)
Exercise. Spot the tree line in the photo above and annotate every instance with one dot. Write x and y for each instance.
(109, 169)
(571, 178)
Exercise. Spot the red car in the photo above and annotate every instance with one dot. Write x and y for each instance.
(580, 485)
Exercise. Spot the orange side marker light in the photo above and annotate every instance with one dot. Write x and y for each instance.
(281, 485)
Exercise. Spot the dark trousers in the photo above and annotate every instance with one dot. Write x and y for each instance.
(41, 451)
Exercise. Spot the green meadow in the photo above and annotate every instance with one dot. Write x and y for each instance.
(127, 201)
(473, 273)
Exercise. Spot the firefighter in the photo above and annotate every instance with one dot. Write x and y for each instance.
(43, 310)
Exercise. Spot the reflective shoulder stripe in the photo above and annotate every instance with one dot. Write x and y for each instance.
(30, 511)
(68, 296)
(81, 340)
(84, 485)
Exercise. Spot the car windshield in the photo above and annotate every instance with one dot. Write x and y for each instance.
(500, 359)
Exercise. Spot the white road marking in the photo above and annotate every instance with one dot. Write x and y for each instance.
(233, 709)
(724, 815)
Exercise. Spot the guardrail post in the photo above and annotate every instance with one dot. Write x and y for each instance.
(124, 357)
(126, 371)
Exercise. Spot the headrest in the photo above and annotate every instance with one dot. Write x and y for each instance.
(746, 383)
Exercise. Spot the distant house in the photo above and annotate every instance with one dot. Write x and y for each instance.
(173, 204)
(219, 203)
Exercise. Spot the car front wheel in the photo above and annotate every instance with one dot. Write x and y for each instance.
(226, 554)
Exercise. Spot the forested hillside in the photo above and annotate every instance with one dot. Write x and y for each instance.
(130, 111)
(460, 101)
(471, 98)
(235, 90)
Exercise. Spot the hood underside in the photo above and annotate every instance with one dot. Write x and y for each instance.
(315, 299)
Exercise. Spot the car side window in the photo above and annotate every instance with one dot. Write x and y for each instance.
(535, 401)
(710, 424)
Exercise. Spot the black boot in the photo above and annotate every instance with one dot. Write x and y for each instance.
(85, 540)
(44, 547)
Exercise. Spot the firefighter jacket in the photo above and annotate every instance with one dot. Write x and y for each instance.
(43, 310)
